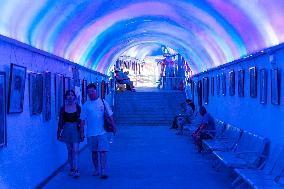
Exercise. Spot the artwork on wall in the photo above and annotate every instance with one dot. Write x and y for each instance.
(16, 88)
(205, 89)
(253, 82)
(263, 86)
(76, 76)
(218, 85)
(46, 96)
(223, 84)
(275, 87)
(212, 86)
(84, 91)
(232, 83)
(3, 119)
(199, 92)
(35, 93)
(103, 89)
(192, 90)
(66, 84)
(241, 81)
(59, 92)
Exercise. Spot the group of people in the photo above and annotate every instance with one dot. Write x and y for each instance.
(75, 121)
(122, 78)
(202, 122)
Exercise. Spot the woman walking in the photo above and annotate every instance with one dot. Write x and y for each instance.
(70, 130)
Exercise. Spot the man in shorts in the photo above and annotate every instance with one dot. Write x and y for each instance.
(93, 116)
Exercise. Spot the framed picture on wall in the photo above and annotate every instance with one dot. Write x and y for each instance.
(35, 93)
(241, 82)
(263, 86)
(275, 86)
(84, 91)
(192, 90)
(253, 82)
(218, 85)
(212, 86)
(205, 89)
(223, 84)
(16, 88)
(232, 83)
(46, 96)
(3, 115)
(76, 76)
(66, 84)
(59, 92)
(199, 92)
(103, 89)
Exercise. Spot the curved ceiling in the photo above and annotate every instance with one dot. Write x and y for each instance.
(93, 33)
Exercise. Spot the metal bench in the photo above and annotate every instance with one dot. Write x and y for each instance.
(267, 176)
(249, 152)
(225, 140)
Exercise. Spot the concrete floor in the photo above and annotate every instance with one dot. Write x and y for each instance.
(145, 157)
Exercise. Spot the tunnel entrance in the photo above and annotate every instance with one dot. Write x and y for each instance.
(162, 68)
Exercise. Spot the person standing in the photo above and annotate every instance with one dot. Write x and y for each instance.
(70, 130)
(97, 138)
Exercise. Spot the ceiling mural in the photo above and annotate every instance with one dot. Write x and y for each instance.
(94, 34)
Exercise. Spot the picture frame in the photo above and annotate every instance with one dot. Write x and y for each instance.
(223, 76)
(232, 83)
(212, 86)
(218, 85)
(275, 87)
(76, 76)
(16, 88)
(103, 89)
(205, 89)
(66, 84)
(199, 92)
(263, 86)
(253, 82)
(193, 90)
(241, 81)
(35, 93)
(84, 90)
(59, 93)
(3, 111)
(47, 96)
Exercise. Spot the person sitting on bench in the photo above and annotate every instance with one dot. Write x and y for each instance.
(122, 78)
(206, 128)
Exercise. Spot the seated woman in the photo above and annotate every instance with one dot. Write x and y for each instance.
(186, 116)
(206, 128)
(122, 78)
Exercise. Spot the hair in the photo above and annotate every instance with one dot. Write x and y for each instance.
(202, 110)
(68, 92)
(92, 85)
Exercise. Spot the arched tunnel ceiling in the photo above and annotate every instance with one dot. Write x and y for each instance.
(93, 33)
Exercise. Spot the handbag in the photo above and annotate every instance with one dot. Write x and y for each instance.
(108, 123)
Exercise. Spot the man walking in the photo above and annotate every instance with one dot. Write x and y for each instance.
(93, 116)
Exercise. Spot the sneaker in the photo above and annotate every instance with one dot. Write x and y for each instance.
(76, 174)
(103, 175)
(71, 172)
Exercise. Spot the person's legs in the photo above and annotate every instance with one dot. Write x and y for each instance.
(103, 164)
(70, 156)
(75, 155)
(95, 162)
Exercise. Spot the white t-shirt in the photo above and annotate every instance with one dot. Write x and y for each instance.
(93, 114)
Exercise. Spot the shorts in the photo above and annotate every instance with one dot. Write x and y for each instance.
(98, 143)
(70, 133)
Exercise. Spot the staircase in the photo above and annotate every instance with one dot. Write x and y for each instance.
(147, 108)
